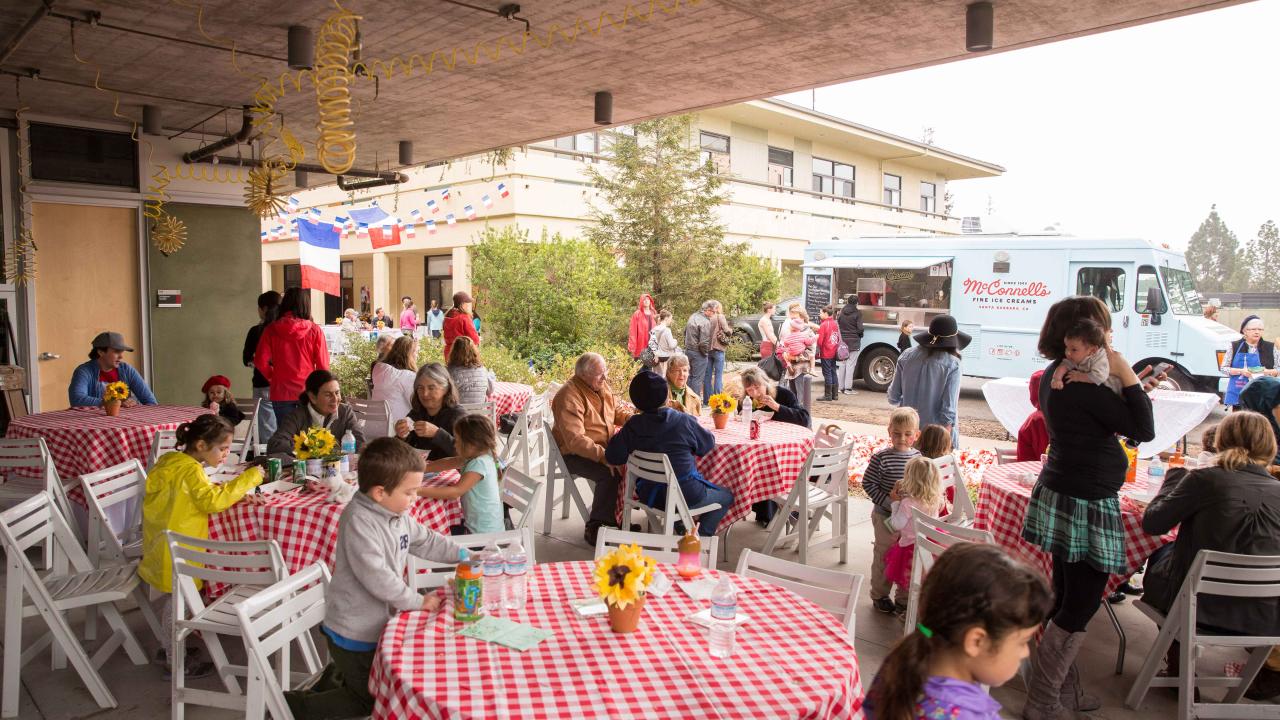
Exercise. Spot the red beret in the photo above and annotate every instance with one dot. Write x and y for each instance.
(215, 380)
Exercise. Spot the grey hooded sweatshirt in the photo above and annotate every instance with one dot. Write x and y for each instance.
(368, 586)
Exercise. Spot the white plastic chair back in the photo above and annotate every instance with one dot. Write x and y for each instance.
(32, 456)
(834, 591)
(522, 494)
(933, 537)
(527, 446)
(163, 442)
(821, 489)
(245, 441)
(270, 622)
(550, 393)
(114, 497)
(375, 416)
(1006, 456)
(662, 548)
(558, 473)
(485, 408)
(962, 510)
(426, 574)
(656, 468)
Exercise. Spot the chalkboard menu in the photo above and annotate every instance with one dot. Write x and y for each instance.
(817, 294)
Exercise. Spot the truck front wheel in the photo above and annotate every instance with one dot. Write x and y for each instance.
(878, 367)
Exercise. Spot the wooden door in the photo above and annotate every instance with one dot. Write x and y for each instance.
(88, 281)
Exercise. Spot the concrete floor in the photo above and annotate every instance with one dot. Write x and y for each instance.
(143, 692)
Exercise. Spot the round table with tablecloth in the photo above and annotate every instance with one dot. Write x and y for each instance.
(793, 660)
(509, 397)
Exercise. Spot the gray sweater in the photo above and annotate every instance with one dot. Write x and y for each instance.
(473, 383)
(368, 586)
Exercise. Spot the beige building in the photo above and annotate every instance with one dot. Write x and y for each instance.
(793, 175)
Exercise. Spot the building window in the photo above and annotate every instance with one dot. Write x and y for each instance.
(582, 142)
(715, 149)
(892, 189)
(292, 276)
(439, 280)
(832, 178)
(335, 305)
(928, 197)
(781, 167)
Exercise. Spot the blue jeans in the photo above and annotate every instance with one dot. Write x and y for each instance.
(697, 372)
(266, 416)
(697, 492)
(829, 380)
(713, 378)
(283, 409)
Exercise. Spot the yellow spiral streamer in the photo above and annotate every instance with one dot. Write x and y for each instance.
(20, 258)
(169, 234)
(336, 145)
(262, 193)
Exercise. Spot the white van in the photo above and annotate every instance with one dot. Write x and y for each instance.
(999, 288)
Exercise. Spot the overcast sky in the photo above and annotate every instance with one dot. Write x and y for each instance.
(1134, 132)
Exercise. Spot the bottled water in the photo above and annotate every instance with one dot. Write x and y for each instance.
(1156, 470)
(348, 443)
(517, 579)
(746, 409)
(494, 580)
(724, 606)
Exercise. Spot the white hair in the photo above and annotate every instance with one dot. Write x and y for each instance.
(586, 362)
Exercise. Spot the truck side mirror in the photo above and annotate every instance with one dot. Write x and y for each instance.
(1156, 305)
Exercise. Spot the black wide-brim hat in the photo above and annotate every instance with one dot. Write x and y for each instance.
(944, 334)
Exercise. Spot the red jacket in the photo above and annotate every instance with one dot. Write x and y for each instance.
(1033, 436)
(641, 325)
(290, 349)
(828, 339)
(457, 324)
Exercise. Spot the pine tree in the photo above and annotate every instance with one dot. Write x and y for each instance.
(1262, 259)
(1213, 255)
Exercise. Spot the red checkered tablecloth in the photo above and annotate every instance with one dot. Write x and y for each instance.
(1002, 506)
(86, 439)
(793, 660)
(509, 397)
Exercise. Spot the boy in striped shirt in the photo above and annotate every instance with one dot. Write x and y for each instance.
(884, 470)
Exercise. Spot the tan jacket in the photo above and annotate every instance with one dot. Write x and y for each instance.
(584, 419)
(692, 403)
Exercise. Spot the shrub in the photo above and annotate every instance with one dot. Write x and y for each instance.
(352, 368)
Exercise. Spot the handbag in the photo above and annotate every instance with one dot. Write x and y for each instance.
(842, 351)
(649, 355)
(772, 366)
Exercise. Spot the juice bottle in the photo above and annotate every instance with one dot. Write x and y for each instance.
(468, 592)
(1131, 475)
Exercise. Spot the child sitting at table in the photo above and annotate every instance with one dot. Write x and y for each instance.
(180, 497)
(1208, 447)
(883, 472)
(476, 440)
(979, 608)
(217, 397)
(1033, 436)
(934, 442)
(919, 489)
(375, 538)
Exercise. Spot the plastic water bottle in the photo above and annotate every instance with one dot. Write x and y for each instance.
(724, 606)
(494, 580)
(517, 580)
(745, 417)
(1156, 470)
(348, 443)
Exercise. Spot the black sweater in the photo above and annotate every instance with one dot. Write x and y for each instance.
(251, 339)
(1085, 457)
(440, 446)
(789, 408)
(849, 320)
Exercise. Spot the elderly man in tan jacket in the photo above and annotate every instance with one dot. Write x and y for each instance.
(586, 416)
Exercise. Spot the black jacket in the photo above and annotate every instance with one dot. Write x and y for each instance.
(789, 408)
(440, 446)
(250, 347)
(1266, 353)
(1235, 511)
(281, 444)
(850, 322)
(904, 341)
(1085, 457)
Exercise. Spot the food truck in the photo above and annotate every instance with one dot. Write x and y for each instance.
(999, 288)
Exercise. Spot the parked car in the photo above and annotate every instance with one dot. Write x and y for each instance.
(746, 328)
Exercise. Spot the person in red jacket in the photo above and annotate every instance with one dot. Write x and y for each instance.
(828, 346)
(290, 349)
(1033, 436)
(642, 322)
(458, 322)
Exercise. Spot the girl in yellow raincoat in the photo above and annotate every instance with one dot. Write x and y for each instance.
(181, 498)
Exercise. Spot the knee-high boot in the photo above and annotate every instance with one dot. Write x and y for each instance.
(1049, 670)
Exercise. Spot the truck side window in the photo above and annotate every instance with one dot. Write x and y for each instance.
(1146, 301)
(1106, 284)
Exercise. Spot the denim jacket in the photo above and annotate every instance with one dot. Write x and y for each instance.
(86, 391)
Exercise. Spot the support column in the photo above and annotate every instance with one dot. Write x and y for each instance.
(266, 276)
(317, 308)
(461, 270)
(381, 290)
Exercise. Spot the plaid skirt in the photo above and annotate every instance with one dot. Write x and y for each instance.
(1076, 530)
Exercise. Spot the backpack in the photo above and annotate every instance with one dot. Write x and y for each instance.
(649, 355)
(842, 351)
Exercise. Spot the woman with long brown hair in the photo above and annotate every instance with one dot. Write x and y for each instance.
(393, 376)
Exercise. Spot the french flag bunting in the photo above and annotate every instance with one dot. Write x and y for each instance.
(315, 212)
(340, 221)
(486, 201)
(294, 202)
(318, 255)
(362, 229)
(384, 236)
(470, 211)
(502, 190)
(431, 226)
(414, 216)
(264, 236)
(410, 230)
(444, 194)
(432, 206)
(451, 219)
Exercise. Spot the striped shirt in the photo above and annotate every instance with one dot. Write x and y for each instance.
(884, 470)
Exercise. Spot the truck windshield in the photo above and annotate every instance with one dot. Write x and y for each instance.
(1183, 298)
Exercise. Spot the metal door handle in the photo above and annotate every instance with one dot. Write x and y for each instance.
(49, 356)
(1126, 321)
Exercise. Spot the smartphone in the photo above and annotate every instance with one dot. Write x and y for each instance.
(1161, 368)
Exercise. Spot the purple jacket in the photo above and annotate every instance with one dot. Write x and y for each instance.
(946, 698)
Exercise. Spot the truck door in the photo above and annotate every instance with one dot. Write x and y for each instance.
(1112, 283)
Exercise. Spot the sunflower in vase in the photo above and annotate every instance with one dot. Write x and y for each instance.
(622, 579)
(722, 406)
(313, 443)
(113, 396)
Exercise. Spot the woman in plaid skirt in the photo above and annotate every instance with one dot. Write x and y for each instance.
(1074, 513)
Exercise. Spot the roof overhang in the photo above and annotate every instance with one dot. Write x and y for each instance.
(879, 263)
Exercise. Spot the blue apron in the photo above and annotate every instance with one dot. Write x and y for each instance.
(1236, 383)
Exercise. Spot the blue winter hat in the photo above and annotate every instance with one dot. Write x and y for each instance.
(648, 390)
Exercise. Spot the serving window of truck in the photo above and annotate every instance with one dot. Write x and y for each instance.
(891, 290)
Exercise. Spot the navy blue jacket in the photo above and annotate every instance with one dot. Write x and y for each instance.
(86, 391)
(664, 430)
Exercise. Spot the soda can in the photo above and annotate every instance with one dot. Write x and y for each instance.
(755, 429)
(299, 471)
(274, 468)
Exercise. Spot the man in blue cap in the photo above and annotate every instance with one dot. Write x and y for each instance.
(106, 365)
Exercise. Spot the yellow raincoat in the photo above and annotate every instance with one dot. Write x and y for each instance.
(181, 498)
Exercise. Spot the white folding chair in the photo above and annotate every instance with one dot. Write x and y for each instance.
(1219, 574)
(1006, 456)
(662, 548)
(161, 443)
(73, 583)
(32, 455)
(270, 621)
(550, 393)
(820, 489)
(426, 574)
(485, 408)
(522, 494)
(558, 472)
(962, 510)
(933, 537)
(245, 441)
(834, 591)
(247, 567)
(526, 446)
(375, 415)
(656, 468)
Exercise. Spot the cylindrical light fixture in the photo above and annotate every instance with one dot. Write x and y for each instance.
(300, 178)
(979, 26)
(302, 48)
(152, 120)
(406, 152)
(604, 108)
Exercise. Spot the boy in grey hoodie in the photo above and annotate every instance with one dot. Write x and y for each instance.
(368, 588)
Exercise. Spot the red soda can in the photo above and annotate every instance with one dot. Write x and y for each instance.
(755, 429)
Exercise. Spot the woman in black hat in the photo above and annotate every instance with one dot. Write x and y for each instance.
(1248, 354)
(927, 378)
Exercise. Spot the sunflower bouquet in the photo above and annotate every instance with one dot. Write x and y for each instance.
(622, 577)
(115, 392)
(314, 442)
(722, 404)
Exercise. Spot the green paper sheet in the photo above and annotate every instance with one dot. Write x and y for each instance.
(505, 632)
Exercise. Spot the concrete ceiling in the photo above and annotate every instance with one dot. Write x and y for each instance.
(699, 54)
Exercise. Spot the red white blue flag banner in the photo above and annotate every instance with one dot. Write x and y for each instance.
(319, 257)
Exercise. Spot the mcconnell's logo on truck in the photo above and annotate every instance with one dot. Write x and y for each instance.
(1005, 294)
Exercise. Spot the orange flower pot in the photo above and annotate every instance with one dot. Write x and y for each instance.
(625, 620)
(112, 407)
(720, 420)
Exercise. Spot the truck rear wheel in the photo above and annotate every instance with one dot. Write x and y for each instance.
(878, 367)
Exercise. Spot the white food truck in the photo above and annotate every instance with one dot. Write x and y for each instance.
(999, 288)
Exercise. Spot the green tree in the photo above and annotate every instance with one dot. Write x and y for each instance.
(659, 217)
(1262, 259)
(548, 298)
(1213, 255)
